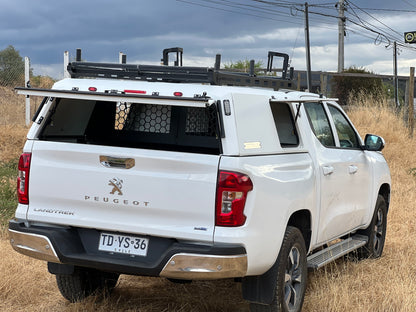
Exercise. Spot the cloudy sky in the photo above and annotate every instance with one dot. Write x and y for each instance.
(238, 30)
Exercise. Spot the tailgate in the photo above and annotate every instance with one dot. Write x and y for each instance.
(148, 192)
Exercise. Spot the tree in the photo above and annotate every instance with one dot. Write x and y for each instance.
(12, 67)
(345, 86)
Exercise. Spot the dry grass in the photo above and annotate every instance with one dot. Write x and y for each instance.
(386, 284)
(27, 286)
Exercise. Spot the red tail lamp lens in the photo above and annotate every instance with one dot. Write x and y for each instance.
(231, 198)
(23, 178)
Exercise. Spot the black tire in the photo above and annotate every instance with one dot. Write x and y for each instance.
(83, 282)
(376, 232)
(292, 273)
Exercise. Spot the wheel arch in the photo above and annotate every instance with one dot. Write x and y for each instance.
(258, 288)
(385, 192)
(301, 219)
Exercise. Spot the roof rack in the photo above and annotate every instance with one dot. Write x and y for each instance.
(184, 74)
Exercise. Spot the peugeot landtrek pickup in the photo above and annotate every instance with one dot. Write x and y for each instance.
(191, 181)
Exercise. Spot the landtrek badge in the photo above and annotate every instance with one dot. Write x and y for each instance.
(117, 185)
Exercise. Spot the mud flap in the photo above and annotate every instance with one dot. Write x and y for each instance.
(59, 268)
(261, 288)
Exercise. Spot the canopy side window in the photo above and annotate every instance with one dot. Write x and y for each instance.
(285, 125)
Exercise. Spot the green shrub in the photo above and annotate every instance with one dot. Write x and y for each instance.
(8, 198)
(343, 86)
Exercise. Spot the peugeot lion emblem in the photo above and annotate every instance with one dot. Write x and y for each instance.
(117, 185)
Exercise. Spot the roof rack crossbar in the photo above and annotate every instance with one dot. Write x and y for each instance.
(182, 74)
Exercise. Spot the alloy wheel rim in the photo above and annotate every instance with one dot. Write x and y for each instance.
(378, 232)
(293, 279)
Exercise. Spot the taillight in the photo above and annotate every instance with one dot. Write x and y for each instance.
(23, 178)
(231, 198)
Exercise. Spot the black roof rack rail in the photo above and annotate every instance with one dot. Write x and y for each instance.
(184, 74)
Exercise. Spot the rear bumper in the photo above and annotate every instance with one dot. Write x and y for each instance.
(166, 257)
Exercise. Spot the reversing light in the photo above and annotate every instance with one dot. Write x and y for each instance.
(135, 91)
(227, 107)
(177, 93)
(231, 198)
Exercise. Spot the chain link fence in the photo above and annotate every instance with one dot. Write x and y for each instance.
(16, 109)
(12, 75)
(12, 106)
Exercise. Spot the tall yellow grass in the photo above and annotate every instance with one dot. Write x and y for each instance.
(385, 284)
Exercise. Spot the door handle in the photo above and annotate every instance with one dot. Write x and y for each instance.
(352, 169)
(327, 170)
(117, 162)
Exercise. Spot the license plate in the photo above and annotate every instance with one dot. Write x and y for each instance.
(123, 244)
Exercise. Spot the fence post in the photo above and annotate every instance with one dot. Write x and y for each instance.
(122, 58)
(27, 85)
(411, 99)
(324, 82)
(66, 62)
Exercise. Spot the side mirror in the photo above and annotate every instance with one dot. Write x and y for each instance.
(373, 143)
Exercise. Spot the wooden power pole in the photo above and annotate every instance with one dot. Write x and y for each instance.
(341, 34)
(411, 100)
(308, 50)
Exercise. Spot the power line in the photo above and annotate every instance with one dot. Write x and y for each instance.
(412, 5)
(234, 11)
(269, 9)
(376, 19)
(390, 10)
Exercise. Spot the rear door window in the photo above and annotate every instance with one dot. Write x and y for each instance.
(347, 136)
(320, 123)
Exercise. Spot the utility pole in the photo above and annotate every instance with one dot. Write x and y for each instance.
(308, 50)
(341, 34)
(395, 80)
(411, 100)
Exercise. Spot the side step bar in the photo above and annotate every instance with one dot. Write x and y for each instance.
(333, 252)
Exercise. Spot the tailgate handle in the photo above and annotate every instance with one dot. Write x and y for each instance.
(117, 162)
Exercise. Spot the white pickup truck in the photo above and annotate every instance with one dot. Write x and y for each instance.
(192, 181)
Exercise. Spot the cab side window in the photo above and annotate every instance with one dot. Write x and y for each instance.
(346, 134)
(320, 123)
(285, 124)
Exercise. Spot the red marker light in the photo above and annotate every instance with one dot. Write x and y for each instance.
(135, 91)
(177, 93)
(92, 89)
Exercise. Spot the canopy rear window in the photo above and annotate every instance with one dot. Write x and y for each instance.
(142, 125)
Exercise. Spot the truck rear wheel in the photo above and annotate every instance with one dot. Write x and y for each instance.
(292, 274)
(84, 282)
(376, 232)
